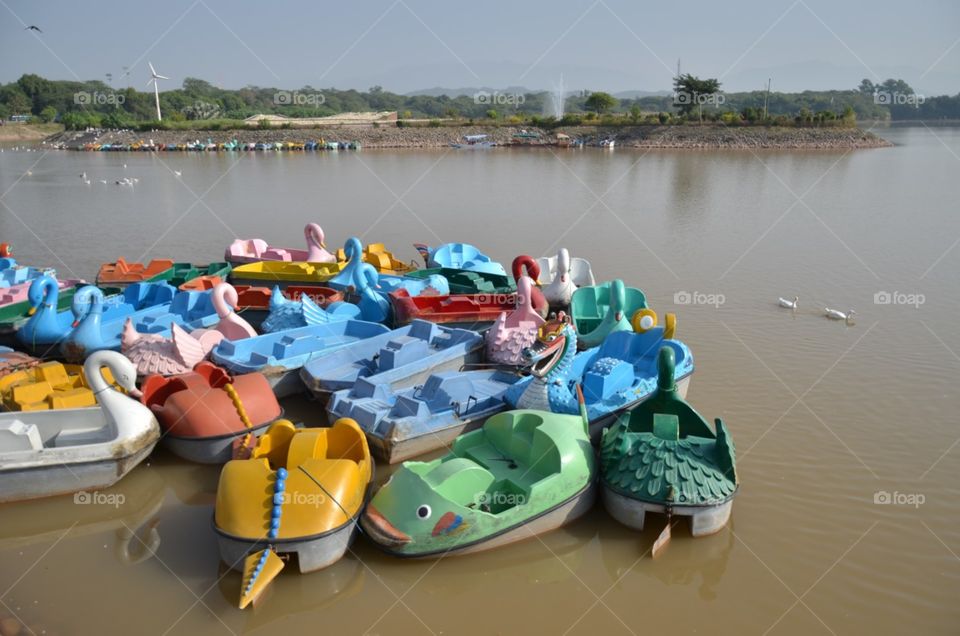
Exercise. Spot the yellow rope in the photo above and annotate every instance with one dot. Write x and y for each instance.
(241, 412)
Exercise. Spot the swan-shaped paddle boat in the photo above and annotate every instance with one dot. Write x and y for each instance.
(400, 358)
(561, 275)
(377, 255)
(835, 314)
(392, 275)
(600, 310)
(700, 481)
(45, 453)
(514, 331)
(252, 250)
(328, 471)
(525, 265)
(12, 274)
(28, 384)
(290, 314)
(204, 413)
(789, 304)
(459, 256)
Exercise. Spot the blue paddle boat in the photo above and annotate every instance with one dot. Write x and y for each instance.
(404, 423)
(400, 358)
(614, 376)
(189, 310)
(459, 256)
(280, 355)
(356, 274)
(304, 312)
(600, 310)
(12, 274)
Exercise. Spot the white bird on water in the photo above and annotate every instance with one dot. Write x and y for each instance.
(789, 304)
(103, 181)
(178, 172)
(83, 175)
(838, 315)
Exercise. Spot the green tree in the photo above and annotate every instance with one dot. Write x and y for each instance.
(691, 92)
(636, 113)
(48, 114)
(600, 102)
(492, 114)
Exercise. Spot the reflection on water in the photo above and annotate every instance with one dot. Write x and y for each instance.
(824, 414)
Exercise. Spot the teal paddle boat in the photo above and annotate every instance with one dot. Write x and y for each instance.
(524, 473)
(664, 457)
(599, 310)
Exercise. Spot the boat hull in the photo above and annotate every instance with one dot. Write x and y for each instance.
(556, 517)
(208, 450)
(34, 482)
(313, 553)
(394, 451)
(704, 520)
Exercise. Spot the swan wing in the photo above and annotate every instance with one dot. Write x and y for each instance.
(186, 348)
(581, 272)
(548, 268)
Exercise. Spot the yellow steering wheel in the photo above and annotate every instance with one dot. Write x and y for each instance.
(644, 320)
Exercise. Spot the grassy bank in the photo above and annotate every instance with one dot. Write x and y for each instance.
(28, 132)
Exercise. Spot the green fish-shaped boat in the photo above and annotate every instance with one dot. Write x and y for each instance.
(663, 456)
(524, 473)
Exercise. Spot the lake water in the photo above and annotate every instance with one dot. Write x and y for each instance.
(826, 416)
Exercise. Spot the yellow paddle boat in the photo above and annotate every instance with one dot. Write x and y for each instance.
(378, 256)
(47, 386)
(300, 492)
(283, 273)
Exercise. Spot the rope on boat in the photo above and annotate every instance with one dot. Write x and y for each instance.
(326, 492)
(242, 413)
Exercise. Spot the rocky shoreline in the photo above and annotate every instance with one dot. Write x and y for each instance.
(647, 137)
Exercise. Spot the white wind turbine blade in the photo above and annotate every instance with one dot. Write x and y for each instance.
(153, 71)
(161, 77)
(151, 81)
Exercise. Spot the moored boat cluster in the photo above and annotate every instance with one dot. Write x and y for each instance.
(518, 376)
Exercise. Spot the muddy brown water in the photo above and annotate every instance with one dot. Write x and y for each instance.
(827, 417)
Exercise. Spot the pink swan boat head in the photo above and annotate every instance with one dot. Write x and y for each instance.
(232, 326)
(517, 330)
(528, 265)
(316, 247)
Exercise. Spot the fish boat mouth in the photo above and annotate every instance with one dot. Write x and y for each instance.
(381, 530)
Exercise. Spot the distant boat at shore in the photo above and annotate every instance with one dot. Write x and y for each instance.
(474, 142)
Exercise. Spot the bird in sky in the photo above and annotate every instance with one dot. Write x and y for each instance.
(33, 27)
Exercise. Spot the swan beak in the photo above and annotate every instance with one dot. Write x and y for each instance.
(31, 311)
(75, 324)
(537, 282)
(135, 392)
(618, 316)
(563, 278)
(323, 244)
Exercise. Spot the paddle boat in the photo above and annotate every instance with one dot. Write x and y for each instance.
(12, 274)
(253, 303)
(614, 376)
(300, 493)
(525, 265)
(399, 358)
(600, 310)
(183, 273)
(280, 355)
(524, 473)
(96, 327)
(403, 423)
(44, 453)
(471, 311)
(374, 289)
(514, 331)
(461, 281)
(14, 301)
(284, 273)
(202, 283)
(253, 250)
(121, 273)
(562, 275)
(662, 456)
(206, 415)
(458, 256)
(40, 386)
(376, 254)
(303, 312)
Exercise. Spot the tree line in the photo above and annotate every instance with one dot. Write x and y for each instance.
(97, 104)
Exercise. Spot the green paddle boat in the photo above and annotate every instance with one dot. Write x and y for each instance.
(464, 281)
(664, 457)
(600, 310)
(181, 273)
(524, 473)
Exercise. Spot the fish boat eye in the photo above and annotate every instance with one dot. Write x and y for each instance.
(424, 512)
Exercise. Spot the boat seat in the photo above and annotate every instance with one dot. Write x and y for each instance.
(402, 350)
(459, 480)
(305, 445)
(17, 435)
(79, 437)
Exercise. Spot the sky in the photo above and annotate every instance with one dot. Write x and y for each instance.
(410, 45)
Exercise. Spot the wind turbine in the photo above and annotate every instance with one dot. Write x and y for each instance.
(154, 76)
